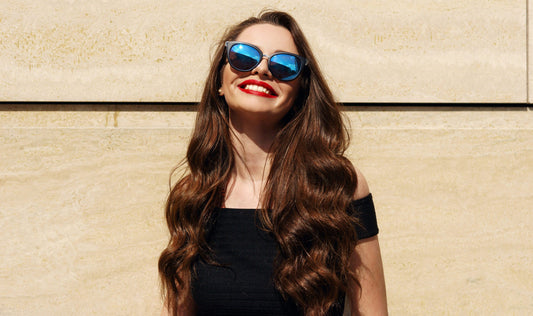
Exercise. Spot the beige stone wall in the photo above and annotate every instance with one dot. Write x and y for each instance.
(82, 186)
(378, 50)
(82, 190)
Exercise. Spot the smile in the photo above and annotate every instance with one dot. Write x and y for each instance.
(258, 88)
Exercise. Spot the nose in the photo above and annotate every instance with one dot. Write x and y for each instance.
(262, 68)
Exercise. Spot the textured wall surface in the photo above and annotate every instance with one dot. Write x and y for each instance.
(82, 187)
(82, 192)
(530, 53)
(372, 50)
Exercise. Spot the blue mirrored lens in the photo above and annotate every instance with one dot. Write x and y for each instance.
(285, 66)
(244, 57)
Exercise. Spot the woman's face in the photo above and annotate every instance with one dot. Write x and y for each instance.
(238, 87)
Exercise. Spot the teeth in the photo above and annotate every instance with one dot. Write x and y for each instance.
(254, 87)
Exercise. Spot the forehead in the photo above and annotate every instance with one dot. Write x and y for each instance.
(269, 38)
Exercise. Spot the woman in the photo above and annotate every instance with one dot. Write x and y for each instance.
(267, 219)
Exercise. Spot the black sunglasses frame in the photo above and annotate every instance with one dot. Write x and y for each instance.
(230, 44)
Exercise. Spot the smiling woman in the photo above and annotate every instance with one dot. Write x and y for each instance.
(271, 218)
(243, 82)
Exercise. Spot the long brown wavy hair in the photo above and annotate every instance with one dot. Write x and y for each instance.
(305, 198)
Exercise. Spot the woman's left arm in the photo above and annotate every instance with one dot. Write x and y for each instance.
(369, 297)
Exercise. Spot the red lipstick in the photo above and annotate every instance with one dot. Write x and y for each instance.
(258, 88)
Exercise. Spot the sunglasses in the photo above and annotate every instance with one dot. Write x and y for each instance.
(245, 57)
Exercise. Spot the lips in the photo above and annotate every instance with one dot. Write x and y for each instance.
(258, 88)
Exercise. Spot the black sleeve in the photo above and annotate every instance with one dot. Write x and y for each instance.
(363, 210)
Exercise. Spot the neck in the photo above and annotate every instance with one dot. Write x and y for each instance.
(252, 141)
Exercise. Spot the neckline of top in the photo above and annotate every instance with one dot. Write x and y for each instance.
(358, 201)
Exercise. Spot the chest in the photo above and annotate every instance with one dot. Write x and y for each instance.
(243, 283)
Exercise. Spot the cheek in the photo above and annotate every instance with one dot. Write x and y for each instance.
(292, 91)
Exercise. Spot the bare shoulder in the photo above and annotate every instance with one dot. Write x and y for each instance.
(362, 189)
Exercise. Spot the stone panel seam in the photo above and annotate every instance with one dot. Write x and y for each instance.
(186, 128)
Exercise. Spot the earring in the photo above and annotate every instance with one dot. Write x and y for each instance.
(220, 92)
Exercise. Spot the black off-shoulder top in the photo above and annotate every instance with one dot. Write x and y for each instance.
(243, 286)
